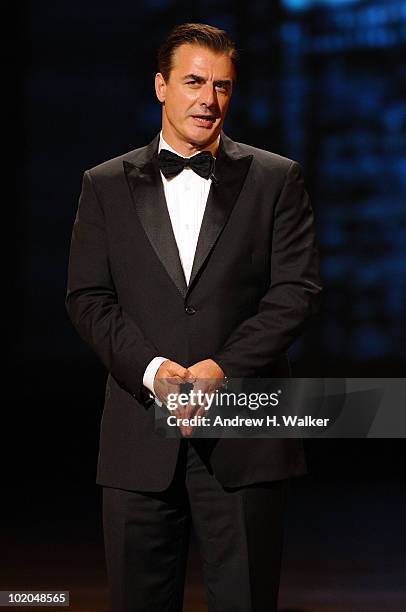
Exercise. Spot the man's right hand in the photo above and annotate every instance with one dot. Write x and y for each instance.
(168, 376)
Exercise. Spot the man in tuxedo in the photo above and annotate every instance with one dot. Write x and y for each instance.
(192, 258)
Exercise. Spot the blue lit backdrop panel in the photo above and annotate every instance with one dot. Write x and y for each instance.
(345, 76)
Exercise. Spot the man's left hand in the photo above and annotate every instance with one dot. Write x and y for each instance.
(207, 370)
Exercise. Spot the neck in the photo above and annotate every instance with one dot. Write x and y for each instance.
(186, 149)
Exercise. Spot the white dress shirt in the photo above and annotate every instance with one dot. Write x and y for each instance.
(186, 197)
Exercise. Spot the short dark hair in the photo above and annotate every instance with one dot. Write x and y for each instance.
(194, 34)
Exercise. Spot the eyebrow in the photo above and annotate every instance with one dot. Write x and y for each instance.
(200, 79)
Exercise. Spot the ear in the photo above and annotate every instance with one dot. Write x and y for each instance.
(160, 87)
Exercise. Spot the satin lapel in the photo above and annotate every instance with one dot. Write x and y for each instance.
(149, 198)
(230, 173)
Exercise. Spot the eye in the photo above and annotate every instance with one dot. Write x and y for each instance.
(222, 88)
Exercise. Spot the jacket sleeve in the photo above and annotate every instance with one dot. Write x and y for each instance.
(294, 291)
(92, 303)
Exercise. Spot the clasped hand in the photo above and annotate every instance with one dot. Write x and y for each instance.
(206, 377)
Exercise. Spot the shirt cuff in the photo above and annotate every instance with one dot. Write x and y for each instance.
(150, 371)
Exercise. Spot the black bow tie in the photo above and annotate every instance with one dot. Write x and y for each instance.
(171, 164)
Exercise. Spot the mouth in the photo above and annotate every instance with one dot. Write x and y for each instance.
(204, 120)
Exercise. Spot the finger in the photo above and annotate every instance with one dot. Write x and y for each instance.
(188, 374)
(174, 380)
(175, 369)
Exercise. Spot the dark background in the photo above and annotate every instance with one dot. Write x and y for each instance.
(319, 82)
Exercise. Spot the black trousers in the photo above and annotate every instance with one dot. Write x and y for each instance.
(239, 532)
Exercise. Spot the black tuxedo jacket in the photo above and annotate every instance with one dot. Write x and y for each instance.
(254, 284)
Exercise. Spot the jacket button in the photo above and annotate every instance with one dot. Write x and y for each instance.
(190, 310)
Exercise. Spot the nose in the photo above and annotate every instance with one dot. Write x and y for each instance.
(208, 96)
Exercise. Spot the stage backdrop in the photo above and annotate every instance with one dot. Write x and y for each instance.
(319, 82)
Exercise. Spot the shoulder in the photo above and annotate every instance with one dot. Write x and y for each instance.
(114, 167)
(268, 160)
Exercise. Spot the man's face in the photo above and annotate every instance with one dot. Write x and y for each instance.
(195, 97)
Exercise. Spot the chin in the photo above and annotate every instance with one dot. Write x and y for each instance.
(202, 137)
